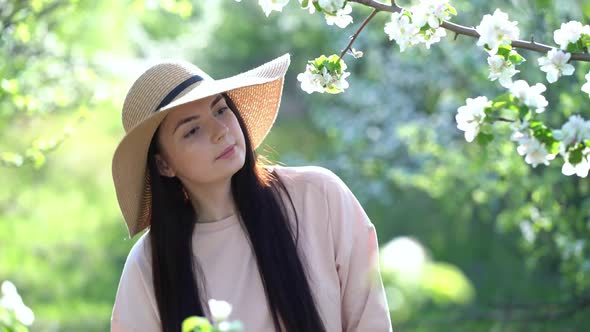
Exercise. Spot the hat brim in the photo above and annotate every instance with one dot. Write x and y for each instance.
(256, 94)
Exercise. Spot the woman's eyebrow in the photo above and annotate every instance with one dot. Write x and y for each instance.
(218, 98)
(185, 120)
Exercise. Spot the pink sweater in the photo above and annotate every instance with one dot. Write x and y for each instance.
(340, 251)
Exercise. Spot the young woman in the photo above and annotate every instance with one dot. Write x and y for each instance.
(290, 248)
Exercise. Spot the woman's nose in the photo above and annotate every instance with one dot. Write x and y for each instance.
(219, 130)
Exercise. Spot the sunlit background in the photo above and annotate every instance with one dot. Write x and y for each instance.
(473, 239)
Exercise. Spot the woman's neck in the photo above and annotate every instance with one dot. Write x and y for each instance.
(212, 202)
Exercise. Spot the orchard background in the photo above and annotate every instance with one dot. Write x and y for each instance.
(474, 238)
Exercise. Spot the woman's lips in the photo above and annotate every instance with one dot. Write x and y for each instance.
(227, 152)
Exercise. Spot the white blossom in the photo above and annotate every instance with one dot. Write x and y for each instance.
(430, 12)
(586, 86)
(575, 130)
(402, 31)
(534, 151)
(496, 30)
(531, 96)
(12, 301)
(310, 82)
(269, 5)
(341, 19)
(431, 36)
(581, 169)
(330, 6)
(322, 81)
(471, 116)
(555, 64)
(570, 32)
(220, 310)
(501, 70)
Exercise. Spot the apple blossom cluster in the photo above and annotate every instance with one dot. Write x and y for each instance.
(536, 143)
(571, 37)
(496, 33)
(496, 30)
(324, 74)
(574, 146)
(335, 11)
(535, 151)
(470, 118)
(12, 302)
(531, 96)
(420, 24)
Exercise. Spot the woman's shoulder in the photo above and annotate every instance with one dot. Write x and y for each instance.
(139, 254)
(315, 175)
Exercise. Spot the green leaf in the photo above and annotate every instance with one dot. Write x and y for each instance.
(304, 3)
(553, 147)
(483, 138)
(523, 111)
(196, 323)
(499, 104)
(515, 58)
(575, 156)
(451, 10)
(504, 51)
(573, 47)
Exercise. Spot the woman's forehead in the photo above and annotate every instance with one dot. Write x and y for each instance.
(193, 108)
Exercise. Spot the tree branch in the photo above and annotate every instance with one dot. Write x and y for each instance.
(466, 31)
(353, 38)
(499, 118)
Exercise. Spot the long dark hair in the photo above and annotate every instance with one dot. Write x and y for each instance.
(264, 216)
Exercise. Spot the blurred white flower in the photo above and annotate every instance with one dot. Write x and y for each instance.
(310, 82)
(534, 151)
(471, 116)
(570, 32)
(402, 31)
(322, 81)
(586, 86)
(531, 96)
(341, 19)
(496, 30)
(581, 169)
(330, 5)
(555, 64)
(430, 12)
(575, 130)
(404, 255)
(269, 5)
(220, 310)
(501, 70)
(12, 301)
(431, 36)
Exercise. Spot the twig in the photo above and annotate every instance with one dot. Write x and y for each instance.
(353, 38)
(463, 30)
(499, 118)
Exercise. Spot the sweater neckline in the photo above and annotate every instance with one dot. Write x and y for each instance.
(217, 225)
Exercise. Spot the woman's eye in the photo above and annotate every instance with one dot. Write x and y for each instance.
(221, 110)
(191, 132)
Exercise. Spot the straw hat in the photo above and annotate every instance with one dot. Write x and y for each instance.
(256, 94)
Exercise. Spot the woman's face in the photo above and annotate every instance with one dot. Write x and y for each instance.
(193, 138)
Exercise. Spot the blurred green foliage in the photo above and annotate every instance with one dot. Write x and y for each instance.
(505, 245)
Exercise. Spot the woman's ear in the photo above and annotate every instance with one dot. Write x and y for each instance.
(163, 167)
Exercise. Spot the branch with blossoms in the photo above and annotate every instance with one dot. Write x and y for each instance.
(426, 23)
